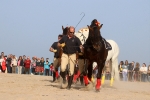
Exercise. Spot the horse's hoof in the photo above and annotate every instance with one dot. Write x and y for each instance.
(89, 86)
(64, 84)
(59, 79)
(98, 90)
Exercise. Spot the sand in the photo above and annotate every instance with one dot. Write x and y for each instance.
(35, 87)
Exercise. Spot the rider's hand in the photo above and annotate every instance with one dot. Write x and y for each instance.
(63, 44)
(80, 54)
(54, 50)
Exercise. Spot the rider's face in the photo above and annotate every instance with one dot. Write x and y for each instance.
(71, 32)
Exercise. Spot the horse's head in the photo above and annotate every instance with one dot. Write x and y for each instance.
(65, 30)
(95, 37)
(94, 23)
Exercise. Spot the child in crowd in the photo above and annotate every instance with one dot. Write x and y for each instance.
(47, 67)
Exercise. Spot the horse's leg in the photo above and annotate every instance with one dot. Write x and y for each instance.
(81, 68)
(114, 71)
(100, 68)
(85, 73)
(103, 77)
(90, 69)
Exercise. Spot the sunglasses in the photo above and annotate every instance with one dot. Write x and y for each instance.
(72, 32)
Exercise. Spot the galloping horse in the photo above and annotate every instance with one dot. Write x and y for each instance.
(83, 33)
(94, 51)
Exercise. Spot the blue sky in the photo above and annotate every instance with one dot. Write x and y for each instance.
(30, 26)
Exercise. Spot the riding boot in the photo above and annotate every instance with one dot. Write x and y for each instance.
(69, 82)
(64, 82)
(57, 76)
(54, 76)
(81, 80)
(85, 80)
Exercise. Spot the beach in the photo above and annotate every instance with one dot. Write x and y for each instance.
(35, 87)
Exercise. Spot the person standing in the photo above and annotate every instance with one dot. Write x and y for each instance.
(20, 64)
(8, 60)
(143, 71)
(33, 65)
(69, 44)
(51, 69)
(136, 71)
(27, 65)
(14, 64)
(54, 48)
(120, 69)
(3, 64)
(46, 67)
(23, 67)
(130, 71)
(41, 71)
(125, 70)
(1, 57)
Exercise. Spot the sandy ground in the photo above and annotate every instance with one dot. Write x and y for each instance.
(31, 87)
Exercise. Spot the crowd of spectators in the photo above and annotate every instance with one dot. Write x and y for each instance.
(40, 66)
(134, 71)
(25, 65)
(130, 71)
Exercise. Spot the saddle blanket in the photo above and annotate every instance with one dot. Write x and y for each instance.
(107, 45)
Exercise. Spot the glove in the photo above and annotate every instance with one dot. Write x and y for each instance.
(63, 44)
(80, 54)
(54, 50)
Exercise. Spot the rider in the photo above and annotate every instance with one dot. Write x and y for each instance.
(54, 48)
(69, 44)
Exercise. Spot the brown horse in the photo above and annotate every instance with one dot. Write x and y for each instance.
(65, 32)
(94, 51)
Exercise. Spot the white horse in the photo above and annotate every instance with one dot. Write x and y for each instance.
(83, 33)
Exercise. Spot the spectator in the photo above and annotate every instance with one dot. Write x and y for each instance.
(38, 64)
(8, 60)
(20, 64)
(3, 64)
(136, 72)
(51, 69)
(1, 59)
(130, 71)
(120, 70)
(14, 64)
(148, 73)
(107, 70)
(143, 71)
(33, 65)
(2, 54)
(42, 66)
(125, 70)
(46, 67)
(23, 67)
(27, 65)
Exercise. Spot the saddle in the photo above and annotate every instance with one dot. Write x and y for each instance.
(107, 45)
